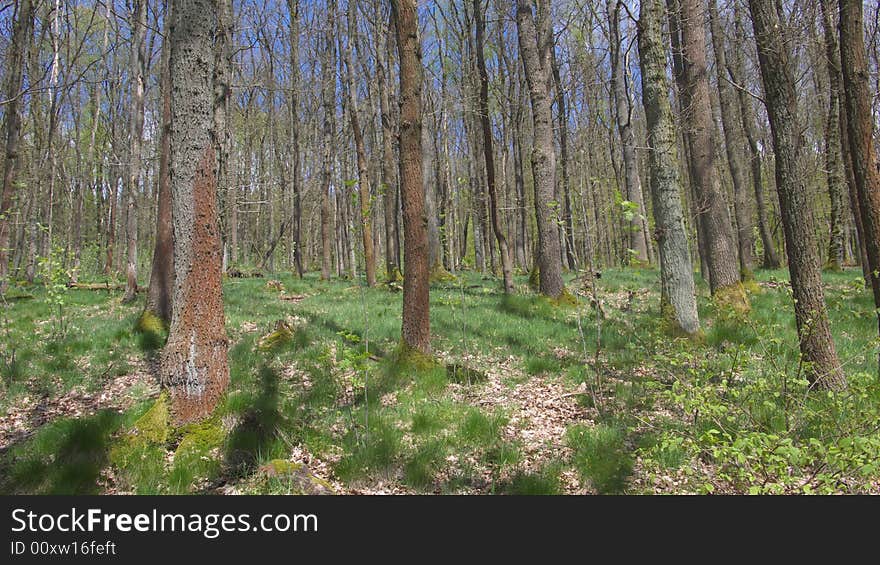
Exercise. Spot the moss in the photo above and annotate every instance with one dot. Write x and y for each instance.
(394, 276)
(278, 467)
(153, 426)
(673, 328)
(410, 358)
(565, 298)
(833, 266)
(751, 286)
(439, 274)
(280, 335)
(731, 301)
(535, 278)
(199, 439)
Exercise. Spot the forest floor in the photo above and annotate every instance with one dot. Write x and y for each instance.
(526, 397)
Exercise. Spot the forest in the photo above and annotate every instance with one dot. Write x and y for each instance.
(440, 247)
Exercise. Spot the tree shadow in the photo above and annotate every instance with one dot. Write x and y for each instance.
(68, 460)
(255, 434)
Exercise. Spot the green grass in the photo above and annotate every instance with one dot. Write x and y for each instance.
(338, 387)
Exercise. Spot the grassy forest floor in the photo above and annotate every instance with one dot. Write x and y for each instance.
(521, 400)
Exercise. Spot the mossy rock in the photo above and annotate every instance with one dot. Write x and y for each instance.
(279, 336)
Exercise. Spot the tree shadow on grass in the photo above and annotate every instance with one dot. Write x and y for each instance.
(256, 433)
(65, 459)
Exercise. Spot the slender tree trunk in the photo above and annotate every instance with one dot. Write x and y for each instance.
(223, 54)
(328, 101)
(195, 368)
(534, 52)
(137, 68)
(638, 241)
(488, 151)
(861, 133)
(296, 174)
(416, 326)
(816, 344)
(733, 143)
(564, 181)
(389, 184)
(21, 32)
(736, 70)
(363, 173)
(678, 300)
(161, 290)
(724, 277)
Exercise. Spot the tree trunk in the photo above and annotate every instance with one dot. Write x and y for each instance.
(861, 135)
(737, 73)
(724, 277)
(416, 327)
(816, 344)
(295, 174)
(161, 289)
(678, 298)
(328, 101)
(195, 368)
(488, 151)
(137, 69)
(389, 186)
(637, 224)
(21, 32)
(733, 144)
(533, 50)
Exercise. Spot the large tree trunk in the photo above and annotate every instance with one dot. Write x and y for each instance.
(678, 300)
(637, 224)
(195, 368)
(416, 326)
(328, 101)
(816, 344)
(363, 173)
(389, 185)
(488, 151)
(137, 69)
(21, 32)
(861, 136)
(724, 277)
(733, 144)
(160, 293)
(534, 50)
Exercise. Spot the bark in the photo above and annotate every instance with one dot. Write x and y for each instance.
(223, 54)
(195, 368)
(328, 102)
(161, 288)
(724, 277)
(537, 70)
(296, 173)
(679, 304)
(488, 150)
(562, 119)
(416, 328)
(861, 135)
(137, 68)
(833, 157)
(734, 147)
(816, 344)
(623, 110)
(736, 69)
(21, 33)
(389, 186)
(363, 172)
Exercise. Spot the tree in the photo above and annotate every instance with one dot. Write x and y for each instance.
(678, 298)
(21, 38)
(363, 173)
(816, 344)
(733, 143)
(861, 133)
(724, 276)
(161, 287)
(623, 111)
(389, 184)
(488, 151)
(328, 102)
(416, 327)
(534, 50)
(195, 368)
(137, 69)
